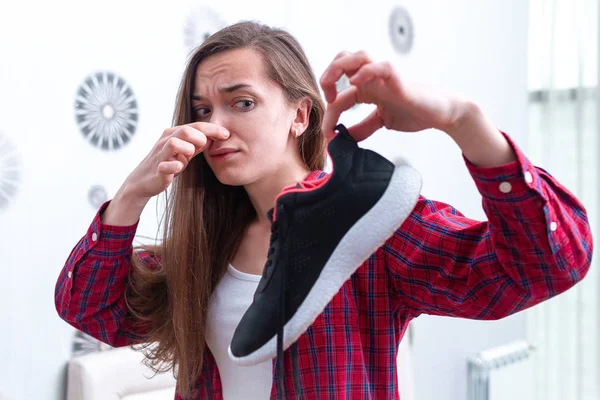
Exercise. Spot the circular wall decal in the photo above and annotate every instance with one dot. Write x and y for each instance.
(401, 30)
(199, 25)
(97, 195)
(106, 110)
(10, 170)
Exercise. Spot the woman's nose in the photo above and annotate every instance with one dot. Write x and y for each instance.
(217, 117)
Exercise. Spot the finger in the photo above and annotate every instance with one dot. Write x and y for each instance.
(341, 54)
(183, 159)
(191, 135)
(371, 71)
(212, 131)
(337, 57)
(170, 167)
(206, 127)
(344, 101)
(175, 146)
(366, 127)
(169, 131)
(327, 85)
(202, 139)
(346, 64)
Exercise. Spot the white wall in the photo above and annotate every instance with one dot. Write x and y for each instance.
(48, 48)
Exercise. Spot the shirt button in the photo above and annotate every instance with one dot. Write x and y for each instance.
(528, 177)
(94, 236)
(70, 274)
(553, 226)
(505, 187)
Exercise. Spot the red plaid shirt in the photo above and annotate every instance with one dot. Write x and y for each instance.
(536, 245)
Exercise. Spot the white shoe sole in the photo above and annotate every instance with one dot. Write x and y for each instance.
(364, 238)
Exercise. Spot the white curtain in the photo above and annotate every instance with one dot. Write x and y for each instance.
(563, 138)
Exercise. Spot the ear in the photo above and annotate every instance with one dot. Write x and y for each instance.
(301, 120)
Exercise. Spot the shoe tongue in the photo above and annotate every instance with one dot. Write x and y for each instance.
(341, 149)
(270, 214)
(290, 188)
(341, 128)
(284, 191)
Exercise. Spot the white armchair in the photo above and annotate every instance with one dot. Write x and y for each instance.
(117, 374)
(406, 384)
(120, 374)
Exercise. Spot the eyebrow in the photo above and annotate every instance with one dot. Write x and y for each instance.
(227, 89)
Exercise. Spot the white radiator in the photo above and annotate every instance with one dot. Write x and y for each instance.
(502, 373)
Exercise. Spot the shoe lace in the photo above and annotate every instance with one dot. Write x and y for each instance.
(270, 255)
(283, 289)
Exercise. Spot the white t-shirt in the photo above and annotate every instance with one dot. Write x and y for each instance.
(228, 303)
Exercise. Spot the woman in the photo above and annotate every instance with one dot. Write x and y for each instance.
(249, 121)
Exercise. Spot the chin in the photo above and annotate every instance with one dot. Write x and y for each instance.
(233, 181)
(233, 176)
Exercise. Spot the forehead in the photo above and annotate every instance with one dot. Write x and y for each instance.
(233, 66)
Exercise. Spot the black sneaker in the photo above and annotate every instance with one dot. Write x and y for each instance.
(322, 231)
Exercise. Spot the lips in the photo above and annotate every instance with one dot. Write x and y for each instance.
(222, 154)
(223, 151)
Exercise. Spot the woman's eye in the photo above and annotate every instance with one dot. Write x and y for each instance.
(202, 112)
(245, 104)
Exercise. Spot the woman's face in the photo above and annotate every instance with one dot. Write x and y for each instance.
(232, 90)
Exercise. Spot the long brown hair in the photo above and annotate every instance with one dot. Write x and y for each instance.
(204, 219)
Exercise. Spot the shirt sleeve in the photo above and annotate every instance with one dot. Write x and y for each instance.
(536, 244)
(90, 290)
